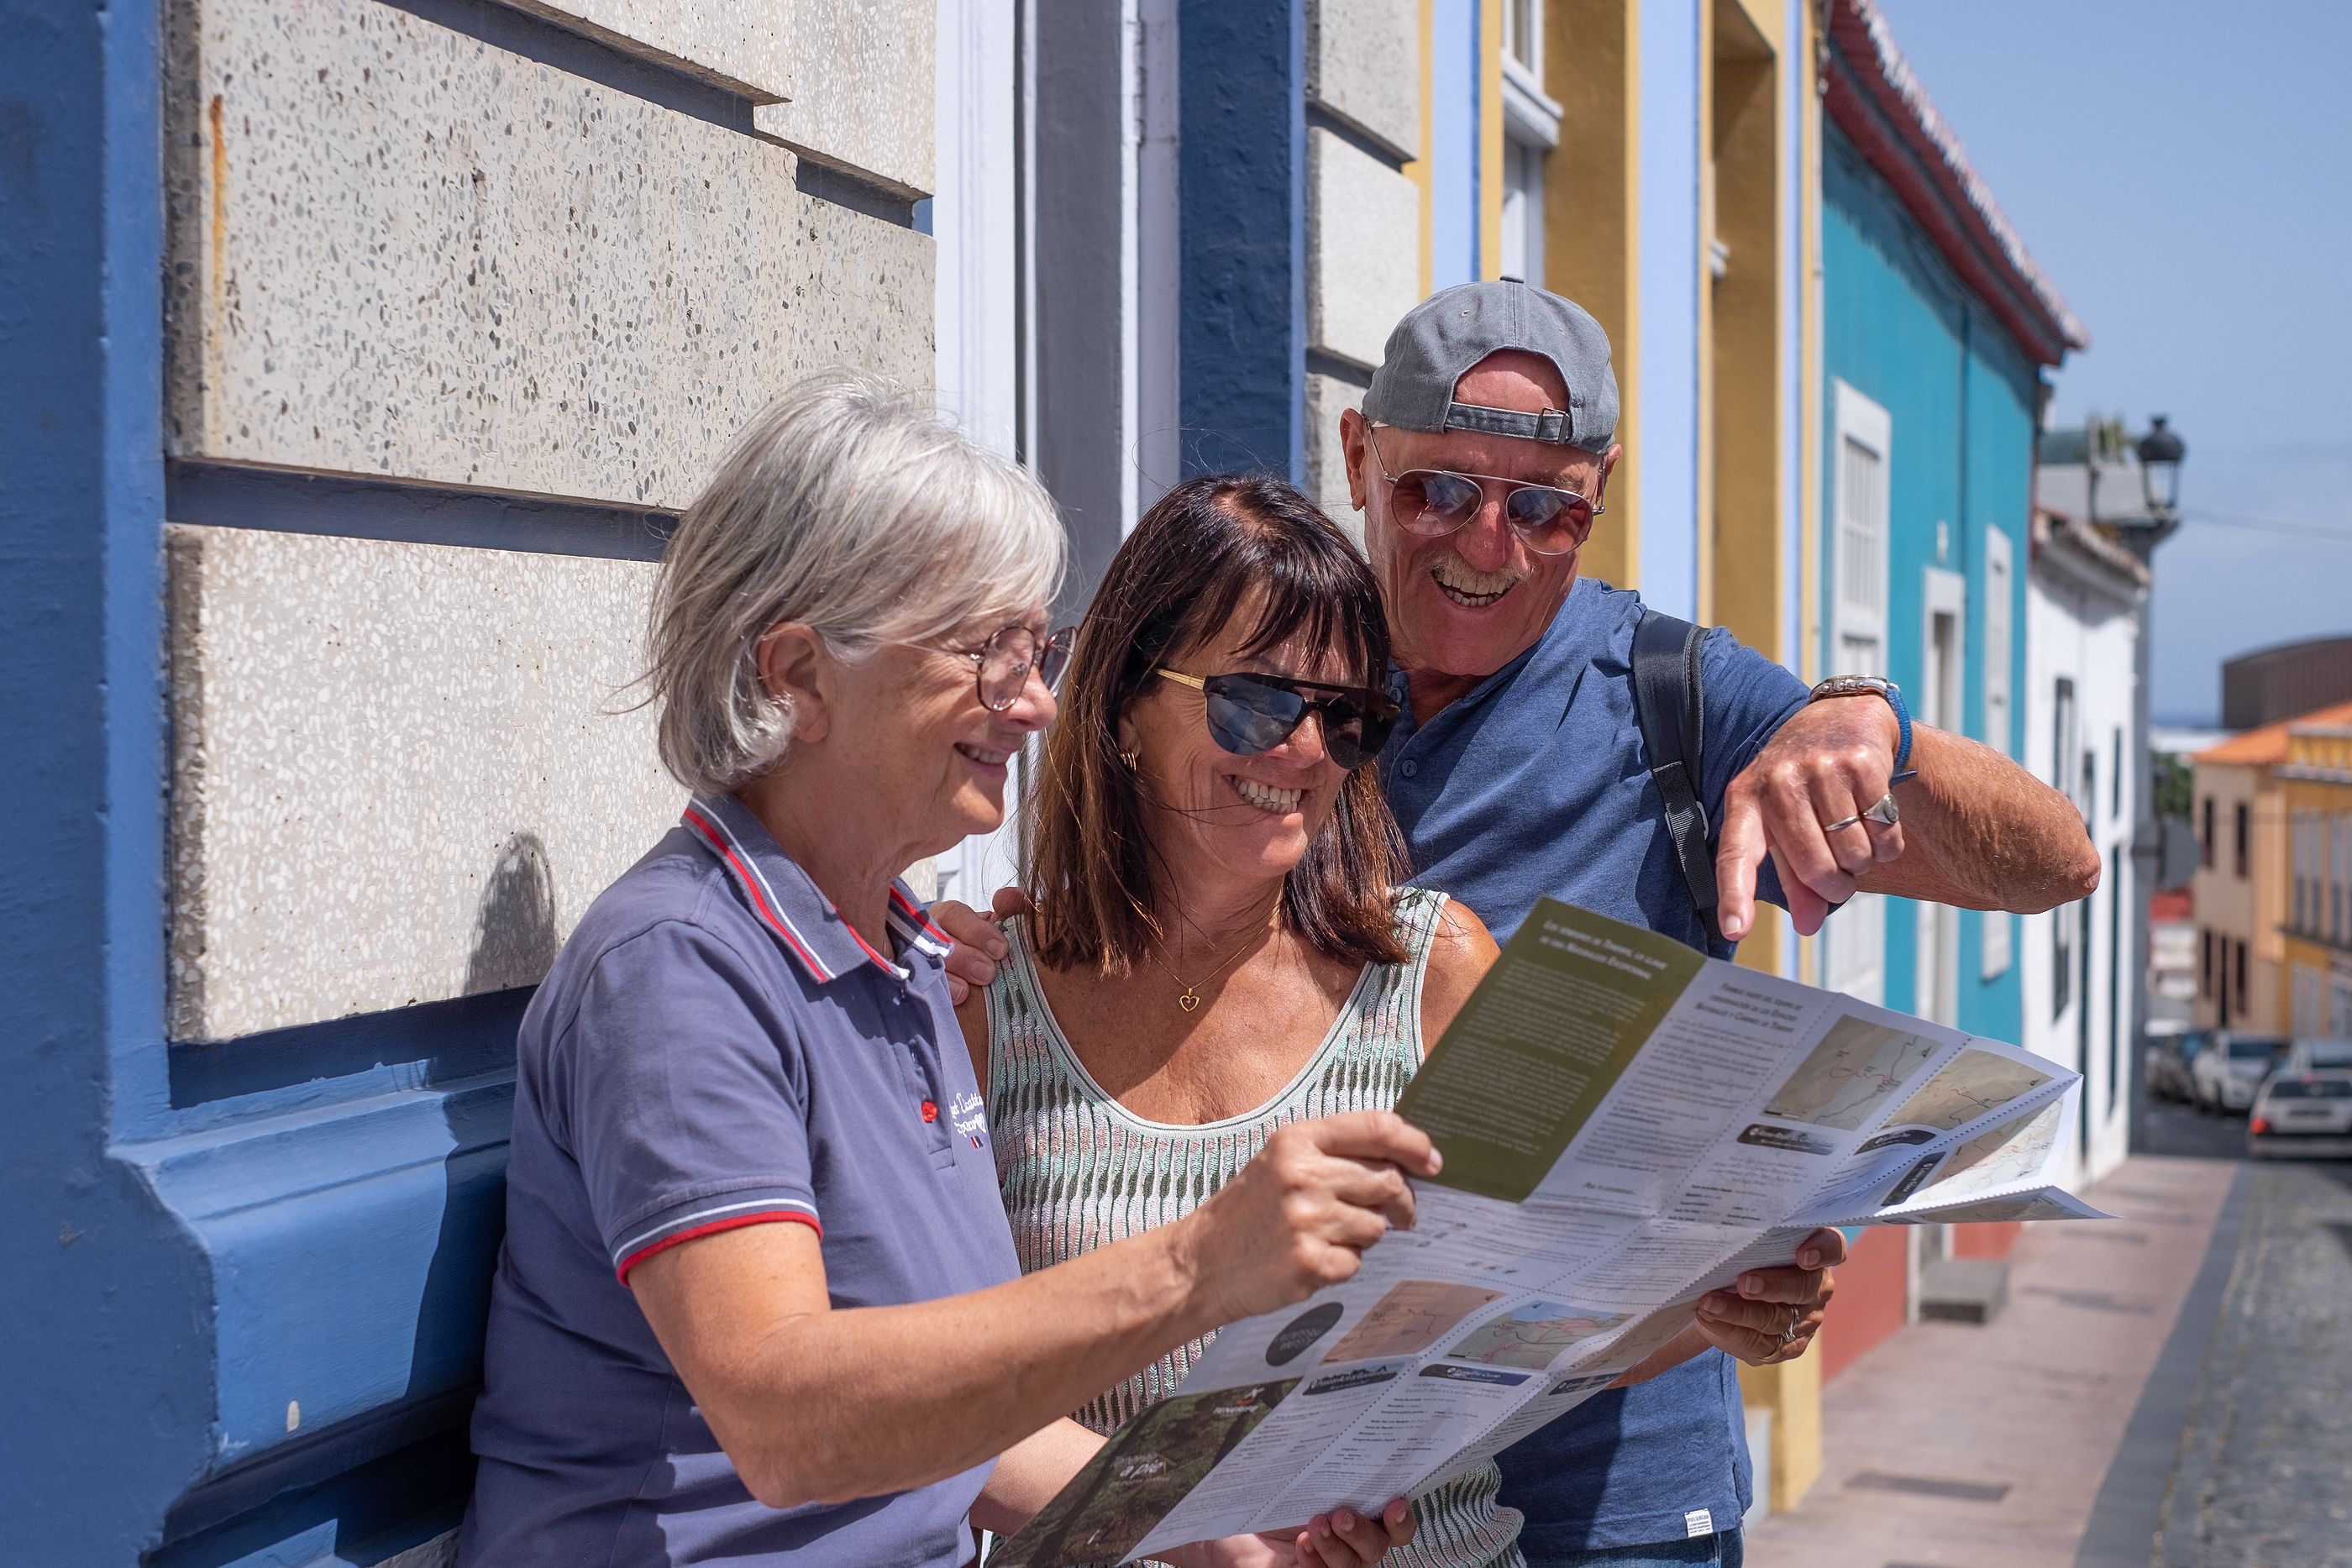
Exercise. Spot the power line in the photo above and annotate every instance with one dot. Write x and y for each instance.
(2312, 531)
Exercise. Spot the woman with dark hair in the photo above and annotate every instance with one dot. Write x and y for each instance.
(1218, 943)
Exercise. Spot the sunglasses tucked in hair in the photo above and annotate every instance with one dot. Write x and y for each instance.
(1208, 550)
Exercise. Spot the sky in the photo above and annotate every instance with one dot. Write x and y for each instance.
(2183, 172)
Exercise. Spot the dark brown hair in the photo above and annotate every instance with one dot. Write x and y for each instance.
(1179, 579)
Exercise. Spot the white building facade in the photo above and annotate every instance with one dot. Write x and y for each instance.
(2081, 981)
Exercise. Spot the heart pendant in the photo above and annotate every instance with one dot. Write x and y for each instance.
(1188, 1001)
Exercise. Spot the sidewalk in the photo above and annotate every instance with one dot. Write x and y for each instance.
(1959, 1447)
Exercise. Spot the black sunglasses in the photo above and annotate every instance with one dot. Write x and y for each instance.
(1250, 713)
(1435, 502)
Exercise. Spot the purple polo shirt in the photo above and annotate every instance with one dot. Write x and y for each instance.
(716, 1048)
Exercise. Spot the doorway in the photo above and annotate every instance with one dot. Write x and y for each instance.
(1936, 993)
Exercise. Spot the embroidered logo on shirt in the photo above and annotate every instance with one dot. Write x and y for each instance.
(971, 1117)
(931, 1111)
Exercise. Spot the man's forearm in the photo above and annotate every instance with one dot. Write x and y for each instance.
(1981, 832)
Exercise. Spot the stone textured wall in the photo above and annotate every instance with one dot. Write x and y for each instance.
(465, 262)
(1363, 212)
(1363, 66)
(397, 250)
(742, 44)
(400, 770)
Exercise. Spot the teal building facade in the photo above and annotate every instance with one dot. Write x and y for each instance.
(1938, 328)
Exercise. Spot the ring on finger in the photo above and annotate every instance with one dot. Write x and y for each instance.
(1883, 810)
(1840, 824)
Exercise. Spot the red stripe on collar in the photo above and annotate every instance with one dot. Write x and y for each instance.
(751, 885)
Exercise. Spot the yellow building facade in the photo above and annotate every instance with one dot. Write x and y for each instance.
(2315, 794)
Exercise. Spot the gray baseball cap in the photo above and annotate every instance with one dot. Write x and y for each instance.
(1456, 328)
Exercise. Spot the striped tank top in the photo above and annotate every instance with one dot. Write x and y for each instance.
(1079, 1170)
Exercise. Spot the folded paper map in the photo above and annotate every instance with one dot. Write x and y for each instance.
(1627, 1125)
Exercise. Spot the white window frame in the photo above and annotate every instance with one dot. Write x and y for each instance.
(1854, 946)
(2341, 896)
(1938, 931)
(1860, 616)
(1530, 131)
(2000, 641)
(1523, 35)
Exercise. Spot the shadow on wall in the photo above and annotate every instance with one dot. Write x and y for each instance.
(388, 1486)
(514, 928)
(515, 941)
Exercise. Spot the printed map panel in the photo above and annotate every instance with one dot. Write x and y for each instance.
(1530, 1336)
(1410, 1319)
(2009, 1153)
(1847, 1077)
(1965, 1088)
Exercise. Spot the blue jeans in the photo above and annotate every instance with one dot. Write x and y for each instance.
(1722, 1549)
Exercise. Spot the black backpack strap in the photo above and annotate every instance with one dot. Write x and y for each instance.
(1667, 700)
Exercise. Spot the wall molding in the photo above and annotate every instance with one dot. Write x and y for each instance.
(539, 36)
(417, 1047)
(408, 511)
(351, 1247)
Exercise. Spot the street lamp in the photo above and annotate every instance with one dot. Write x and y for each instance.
(2160, 451)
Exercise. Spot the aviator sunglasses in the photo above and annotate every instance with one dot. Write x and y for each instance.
(1250, 713)
(1435, 502)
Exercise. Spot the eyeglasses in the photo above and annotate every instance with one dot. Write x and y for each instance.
(1004, 661)
(1250, 713)
(1435, 502)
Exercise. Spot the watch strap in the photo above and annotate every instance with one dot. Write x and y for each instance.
(1877, 685)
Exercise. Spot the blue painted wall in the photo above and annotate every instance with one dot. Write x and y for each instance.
(1668, 203)
(1242, 189)
(1899, 326)
(108, 1371)
(1454, 142)
(197, 1238)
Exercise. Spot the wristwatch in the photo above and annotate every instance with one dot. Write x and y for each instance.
(1879, 686)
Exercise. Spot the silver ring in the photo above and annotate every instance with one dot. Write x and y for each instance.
(1882, 811)
(1788, 1334)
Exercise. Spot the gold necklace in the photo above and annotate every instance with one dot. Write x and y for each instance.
(1190, 997)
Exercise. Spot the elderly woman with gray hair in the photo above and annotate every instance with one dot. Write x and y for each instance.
(758, 1301)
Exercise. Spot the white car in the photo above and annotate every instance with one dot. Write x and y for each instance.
(2231, 1068)
(2317, 1055)
(2303, 1113)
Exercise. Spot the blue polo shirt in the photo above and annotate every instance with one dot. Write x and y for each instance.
(1533, 785)
(714, 1048)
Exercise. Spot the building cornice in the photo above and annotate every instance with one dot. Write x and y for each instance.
(2084, 553)
(1874, 97)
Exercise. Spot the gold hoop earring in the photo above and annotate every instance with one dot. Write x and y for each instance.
(1132, 758)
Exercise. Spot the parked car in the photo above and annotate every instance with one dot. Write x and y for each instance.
(2170, 1058)
(2303, 1113)
(2317, 1055)
(2231, 1068)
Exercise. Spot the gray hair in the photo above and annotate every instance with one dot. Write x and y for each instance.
(852, 508)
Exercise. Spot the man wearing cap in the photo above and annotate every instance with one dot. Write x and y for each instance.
(1480, 461)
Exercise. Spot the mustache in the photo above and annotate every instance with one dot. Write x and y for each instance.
(1457, 573)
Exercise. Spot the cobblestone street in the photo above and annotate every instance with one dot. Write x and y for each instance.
(2174, 1389)
(2263, 1473)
